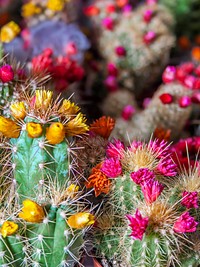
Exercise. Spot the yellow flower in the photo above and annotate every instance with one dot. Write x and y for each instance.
(68, 108)
(55, 133)
(9, 128)
(34, 129)
(18, 110)
(9, 31)
(72, 190)
(76, 126)
(8, 228)
(32, 212)
(81, 220)
(55, 5)
(30, 9)
(43, 99)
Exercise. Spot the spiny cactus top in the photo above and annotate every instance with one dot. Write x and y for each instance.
(147, 211)
(36, 177)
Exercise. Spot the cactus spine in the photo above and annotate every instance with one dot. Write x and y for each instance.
(49, 229)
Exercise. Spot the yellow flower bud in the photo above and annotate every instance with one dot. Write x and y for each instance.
(8, 228)
(34, 129)
(76, 126)
(9, 128)
(43, 99)
(72, 190)
(32, 212)
(68, 108)
(30, 9)
(55, 5)
(80, 220)
(9, 32)
(18, 110)
(55, 133)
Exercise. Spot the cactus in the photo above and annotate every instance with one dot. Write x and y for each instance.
(153, 234)
(42, 218)
(170, 107)
(139, 47)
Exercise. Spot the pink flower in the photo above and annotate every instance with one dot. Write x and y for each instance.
(111, 83)
(167, 167)
(6, 74)
(138, 225)
(149, 37)
(120, 51)
(147, 15)
(111, 167)
(185, 101)
(112, 69)
(142, 175)
(169, 74)
(127, 112)
(114, 150)
(185, 224)
(108, 23)
(190, 200)
(151, 190)
(161, 148)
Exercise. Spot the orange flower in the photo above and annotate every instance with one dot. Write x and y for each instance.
(162, 134)
(121, 3)
(103, 126)
(99, 181)
(196, 53)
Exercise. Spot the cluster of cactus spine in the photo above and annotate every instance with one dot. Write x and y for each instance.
(42, 218)
(156, 238)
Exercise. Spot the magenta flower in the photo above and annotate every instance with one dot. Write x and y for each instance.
(114, 150)
(128, 112)
(108, 23)
(161, 148)
(142, 175)
(147, 15)
(6, 74)
(167, 167)
(120, 51)
(111, 167)
(151, 190)
(112, 69)
(138, 225)
(190, 200)
(185, 224)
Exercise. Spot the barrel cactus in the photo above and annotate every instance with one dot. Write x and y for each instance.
(145, 221)
(43, 219)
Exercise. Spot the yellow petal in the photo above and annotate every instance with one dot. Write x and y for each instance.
(76, 126)
(34, 129)
(9, 128)
(31, 212)
(43, 99)
(72, 190)
(55, 133)
(9, 32)
(30, 9)
(8, 228)
(18, 110)
(80, 220)
(68, 108)
(55, 5)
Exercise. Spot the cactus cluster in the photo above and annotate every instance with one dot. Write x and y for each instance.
(137, 42)
(169, 108)
(151, 216)
(43, 219)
